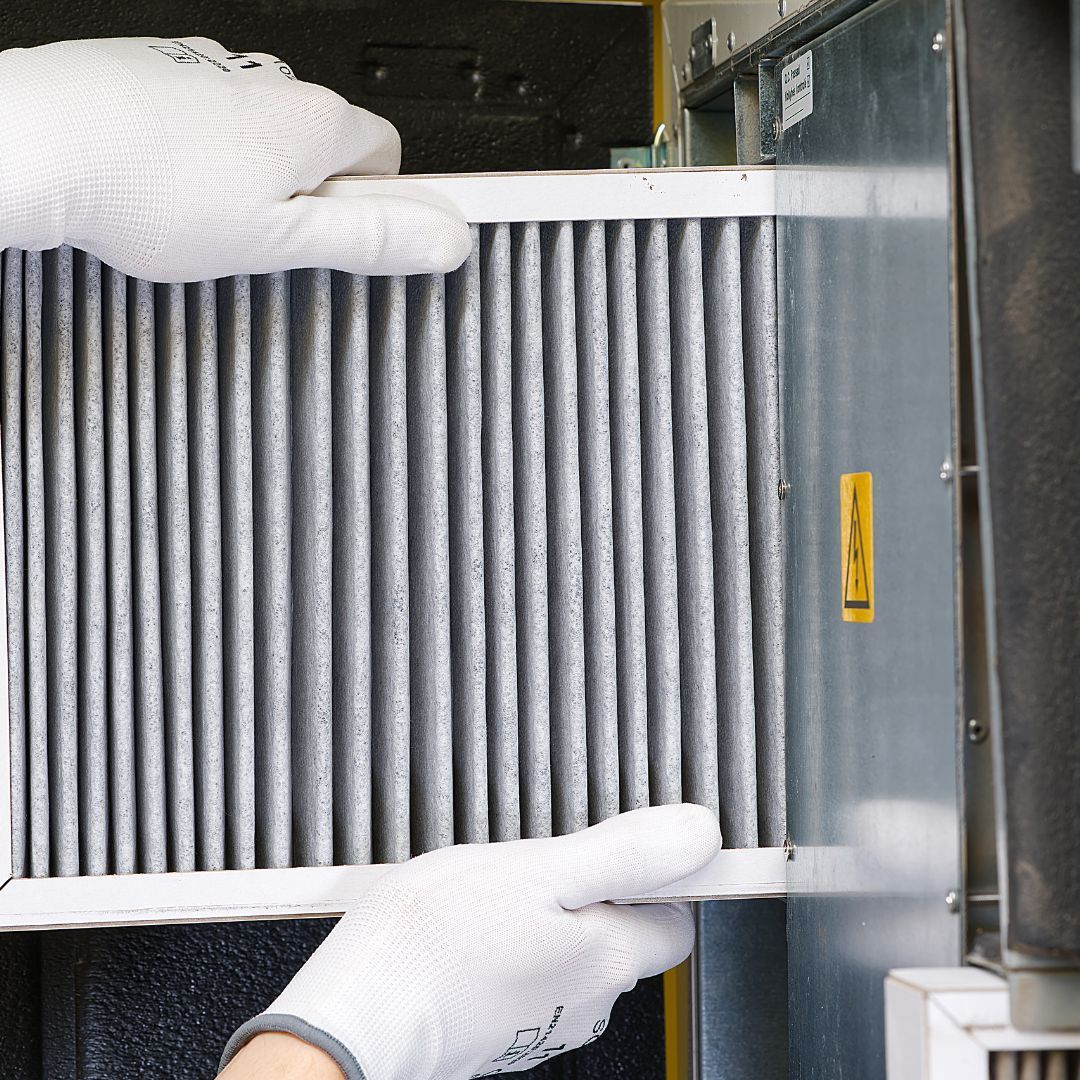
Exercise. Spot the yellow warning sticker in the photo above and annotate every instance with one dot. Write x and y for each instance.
(857, 547)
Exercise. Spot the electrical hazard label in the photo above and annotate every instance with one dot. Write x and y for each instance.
(857, 547)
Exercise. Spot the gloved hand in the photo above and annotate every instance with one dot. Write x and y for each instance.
(177, 160)
(486, 959)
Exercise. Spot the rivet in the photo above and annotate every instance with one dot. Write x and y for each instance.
(952, 900)
(782, 490)
(946, 471)
(731, 41)
(937, 43)
(976, 730)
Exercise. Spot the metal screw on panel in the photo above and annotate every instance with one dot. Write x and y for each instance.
(379, 73)
(777, 130)
(789, 849)
(781, 7)
(685, 72)
(976, 730)
(938, 42)
(782, 490)
(946, 471)
(731, 41)
(952, 900)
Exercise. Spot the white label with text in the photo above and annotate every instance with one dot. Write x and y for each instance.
(797, 90)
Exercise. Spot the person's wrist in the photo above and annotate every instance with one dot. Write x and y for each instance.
(274, 1055)
(33, 159)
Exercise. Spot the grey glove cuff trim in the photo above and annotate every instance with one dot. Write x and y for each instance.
(293, 1025)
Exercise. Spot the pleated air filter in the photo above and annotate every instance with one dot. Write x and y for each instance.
(311, 570)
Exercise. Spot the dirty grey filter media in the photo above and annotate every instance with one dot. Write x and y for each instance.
(310, 568)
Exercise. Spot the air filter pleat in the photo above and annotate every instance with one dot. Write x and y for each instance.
(499, 537)
(36, 603)
(598, 557)
(693, 518)
(11, 392)
(429, 568)
(146, 592)
(626, 507)
(352, 573)
(658, 483)
(175, 539)
(118, 581)
(763, 477)
(92, 626)
(468, 637)
(237, 570)
(272, 522)
(207, 673)
(389, 573)
(569, 756)
(530, 530)
(731, 533)
(61, 559)
(1056, 1065)
(312, 560)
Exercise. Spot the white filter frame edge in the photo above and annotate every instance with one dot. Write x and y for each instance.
(299, 892)
(605, 195)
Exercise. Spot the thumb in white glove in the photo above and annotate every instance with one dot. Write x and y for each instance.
(486, 959)
(176, 160)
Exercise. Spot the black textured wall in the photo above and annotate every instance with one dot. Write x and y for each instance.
(159, 1003)
(471, 86)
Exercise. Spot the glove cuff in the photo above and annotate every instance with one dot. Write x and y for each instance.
(294, 1025)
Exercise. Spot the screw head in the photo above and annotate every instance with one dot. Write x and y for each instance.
(789, 849)
(976, 730)
(685, 72)
(783, 488)
(952, 900)
(937, 43)
(781, 8)
(777, 130)
(731, 41)
(946, 471)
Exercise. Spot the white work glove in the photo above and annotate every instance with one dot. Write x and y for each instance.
(176, 160)
(485, 959)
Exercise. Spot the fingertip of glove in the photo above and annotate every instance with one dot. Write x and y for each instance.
(455, 247)
(690, 828)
